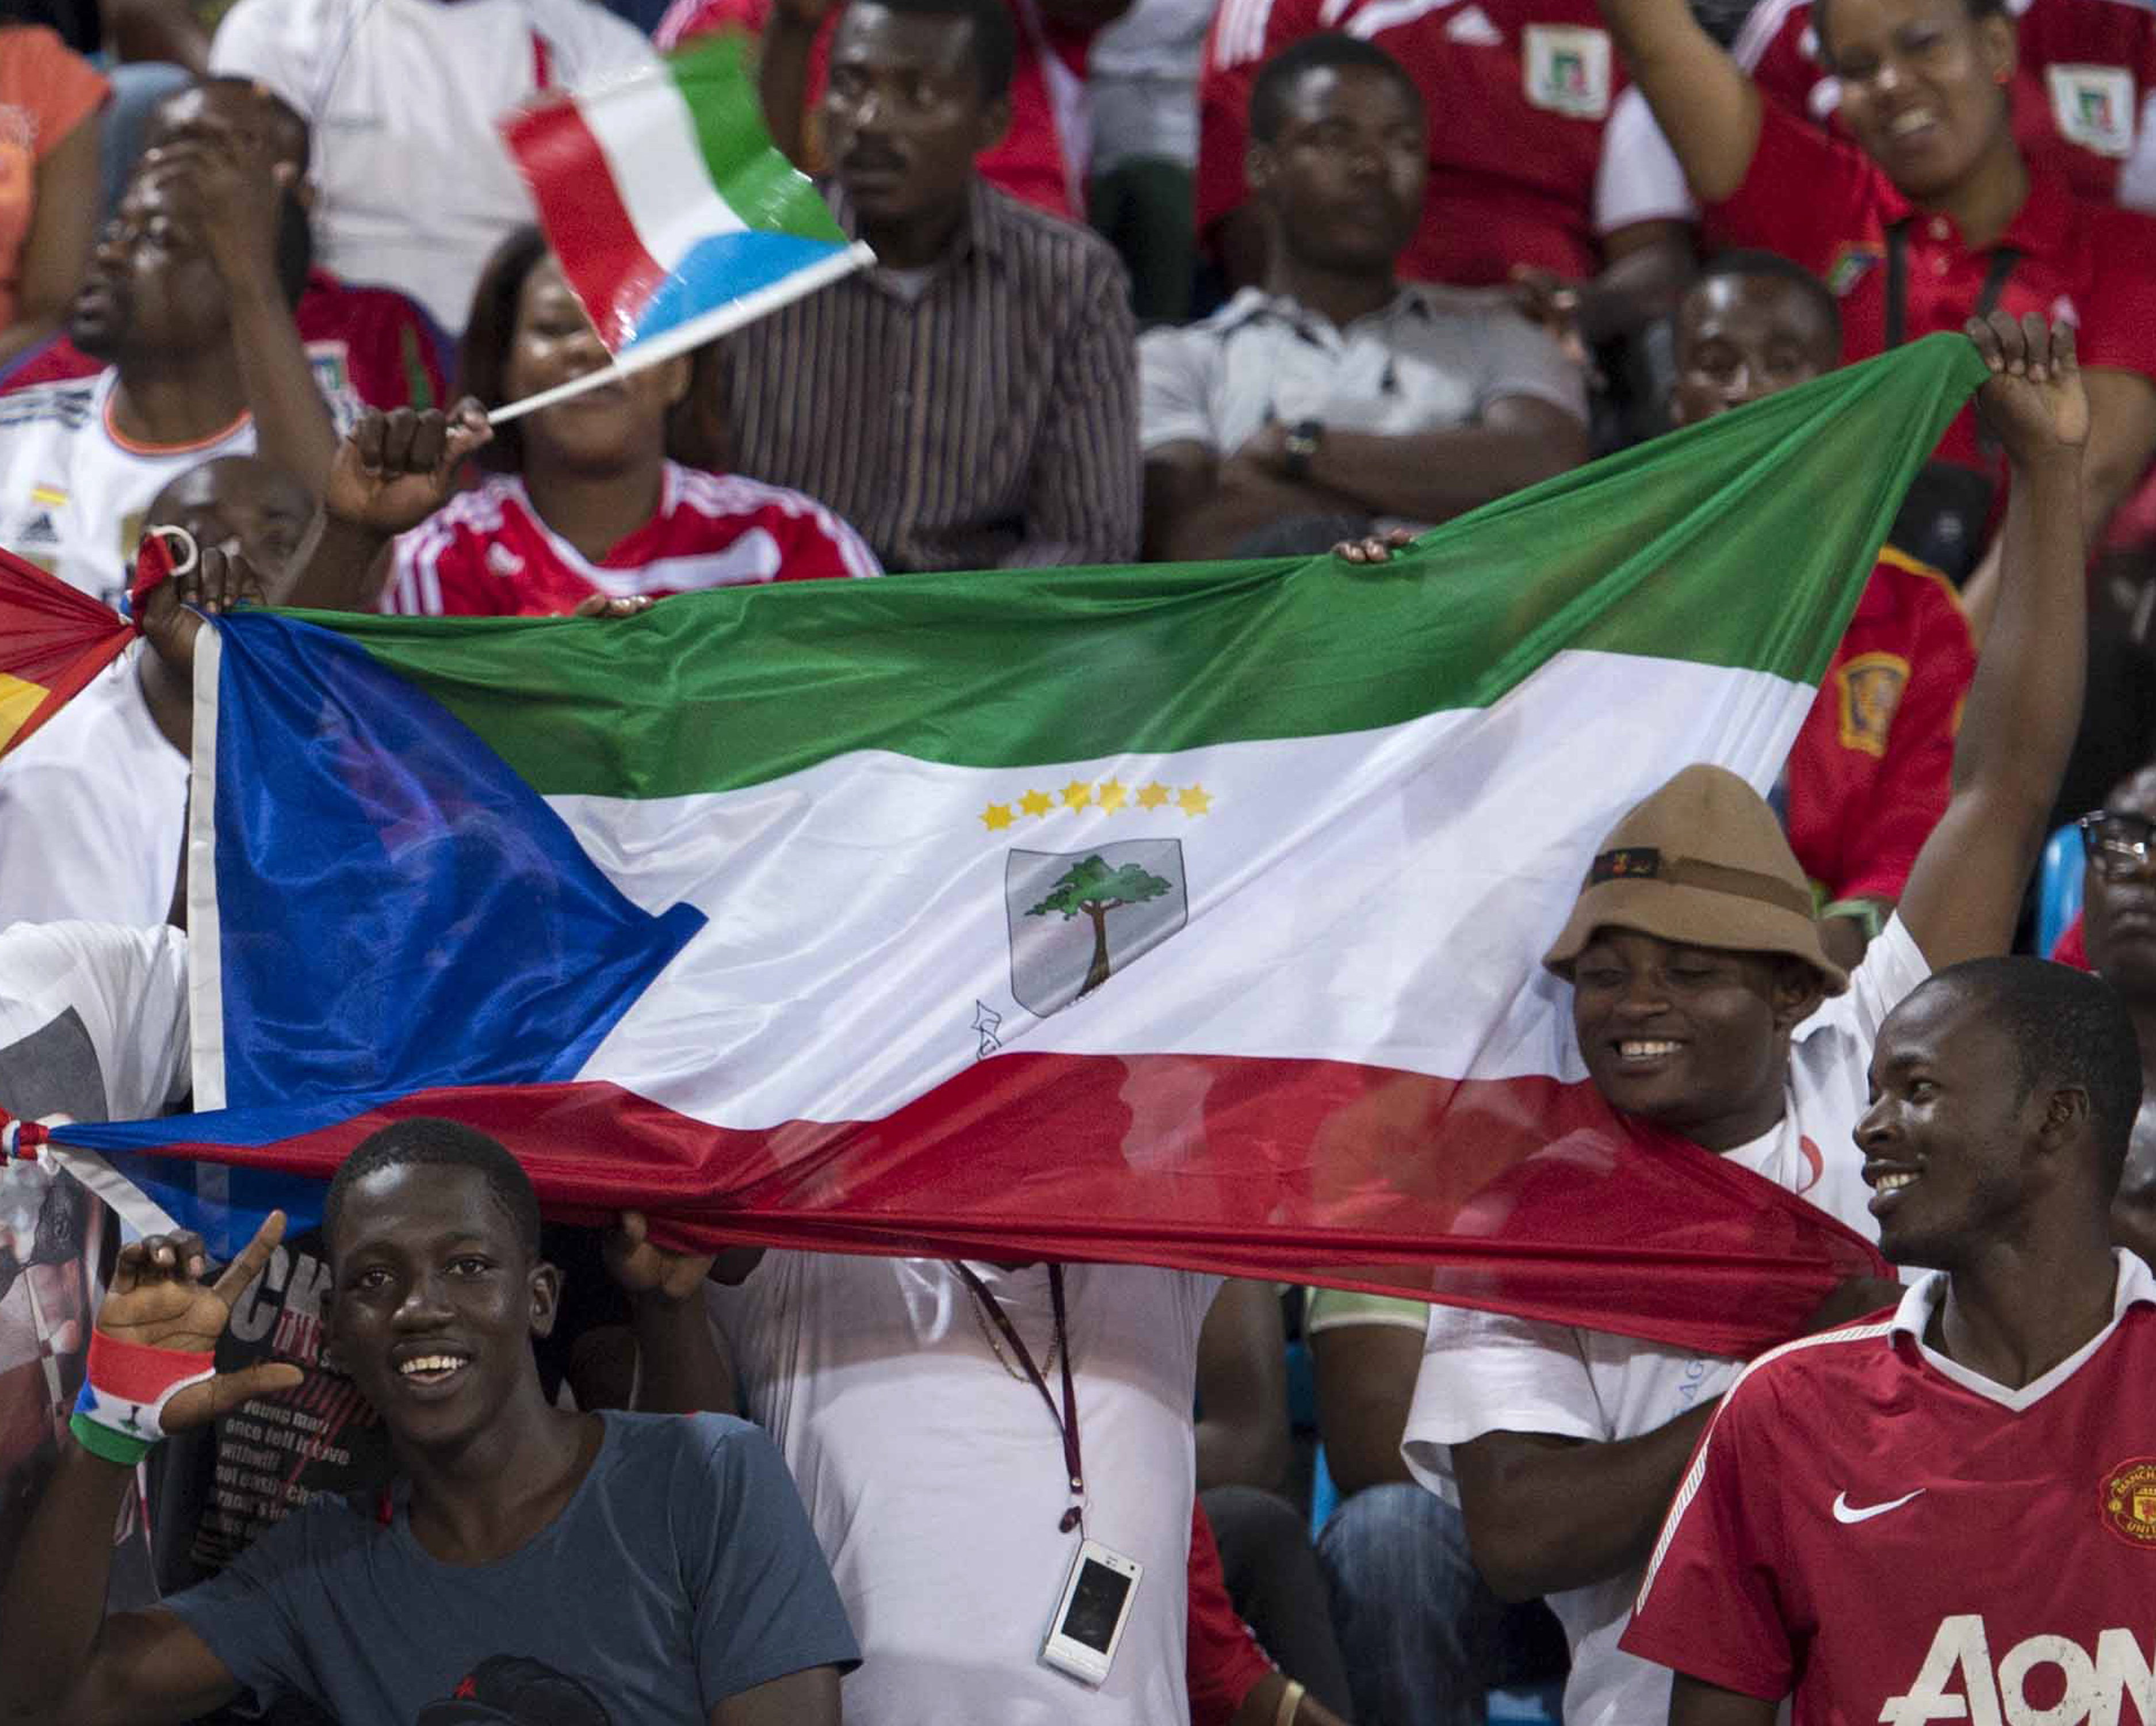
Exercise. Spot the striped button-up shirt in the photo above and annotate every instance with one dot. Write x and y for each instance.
(988, 419)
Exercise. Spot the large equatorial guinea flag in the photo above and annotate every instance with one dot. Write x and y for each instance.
(1179, 914)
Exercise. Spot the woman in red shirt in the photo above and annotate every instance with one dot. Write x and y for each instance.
(1929, 214)
(606, 497)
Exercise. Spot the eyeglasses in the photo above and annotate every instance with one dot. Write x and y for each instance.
(2119, 844)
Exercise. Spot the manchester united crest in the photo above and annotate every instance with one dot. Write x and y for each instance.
(2129, 1501)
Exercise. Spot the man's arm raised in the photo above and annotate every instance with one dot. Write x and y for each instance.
(1964, 890)
(67, 1664)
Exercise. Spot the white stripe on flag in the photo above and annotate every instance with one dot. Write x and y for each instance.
(648, 137)
(1376, 897)
(205, 928)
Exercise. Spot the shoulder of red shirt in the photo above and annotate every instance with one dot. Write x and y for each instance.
(1907, 588)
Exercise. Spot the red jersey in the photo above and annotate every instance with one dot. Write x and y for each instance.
(1867, 778)
(1222, 1660)
(1894, 1538)
(1040, 160)
(486, 553)
(1520, 94)
(1823, 203)
(372, 342)
(2087, 69)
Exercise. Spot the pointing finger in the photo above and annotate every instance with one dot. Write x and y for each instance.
(244, 1270)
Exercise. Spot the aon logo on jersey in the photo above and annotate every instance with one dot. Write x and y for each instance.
(2043, 1681)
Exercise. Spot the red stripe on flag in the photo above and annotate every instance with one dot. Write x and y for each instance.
(53, 635)
(1527, 1196)
(580, 206)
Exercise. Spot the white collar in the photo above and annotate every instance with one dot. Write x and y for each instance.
(2136, 1285)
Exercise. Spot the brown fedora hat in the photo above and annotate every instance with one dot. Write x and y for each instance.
(1702, 861)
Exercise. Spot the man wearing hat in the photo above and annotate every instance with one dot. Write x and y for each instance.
(1705, 1004)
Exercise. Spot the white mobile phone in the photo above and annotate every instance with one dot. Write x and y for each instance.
(1091, 1613)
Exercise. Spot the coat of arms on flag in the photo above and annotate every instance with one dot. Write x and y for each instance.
(1078, 916)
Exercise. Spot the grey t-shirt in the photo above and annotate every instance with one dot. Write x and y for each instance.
(682, 1572)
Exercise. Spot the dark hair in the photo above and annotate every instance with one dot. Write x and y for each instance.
(994, 37)
(2070, 1031)
(1743, 264)
(1268, 95)
(692, 435)
(1978, 10)
(430, 1142)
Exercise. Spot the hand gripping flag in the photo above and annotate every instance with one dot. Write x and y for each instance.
(1181, 915)
(674, 216)
(55, 638)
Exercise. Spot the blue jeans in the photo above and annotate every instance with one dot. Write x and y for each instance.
(1422, 1636)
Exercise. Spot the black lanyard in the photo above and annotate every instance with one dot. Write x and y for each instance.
(2003, 260)
(1066, 1422)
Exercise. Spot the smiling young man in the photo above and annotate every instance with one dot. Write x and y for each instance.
(657, 1568)
(1856, 1530)
(1704, 1003)
(1337, 389)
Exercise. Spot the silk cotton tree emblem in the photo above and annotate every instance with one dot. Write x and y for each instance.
(1076, 918)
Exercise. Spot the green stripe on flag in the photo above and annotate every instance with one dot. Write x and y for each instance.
(1744, 542)
(764, 189)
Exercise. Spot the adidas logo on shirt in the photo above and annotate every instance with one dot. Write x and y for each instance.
(39, 530)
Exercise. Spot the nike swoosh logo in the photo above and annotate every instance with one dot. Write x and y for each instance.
(1845, 1512)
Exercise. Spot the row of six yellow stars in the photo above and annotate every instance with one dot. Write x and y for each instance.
(1107, 797)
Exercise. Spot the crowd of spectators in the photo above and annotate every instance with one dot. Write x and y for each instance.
(1170, 280)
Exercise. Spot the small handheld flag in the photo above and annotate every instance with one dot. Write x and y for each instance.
(674, 216)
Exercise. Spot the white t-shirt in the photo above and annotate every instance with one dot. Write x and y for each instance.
(1483, 1372)
(935, 1478)
(1141, 73)
(93, 810)
(73, 491)
(414, 185)
(93, 1021)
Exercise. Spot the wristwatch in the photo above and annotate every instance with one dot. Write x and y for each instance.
(1302, 439)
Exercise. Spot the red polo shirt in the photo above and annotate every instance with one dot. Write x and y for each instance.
(1041, 160)
(2087, 67)
(1823, 203)
(1868, 777)
(1519, 93)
